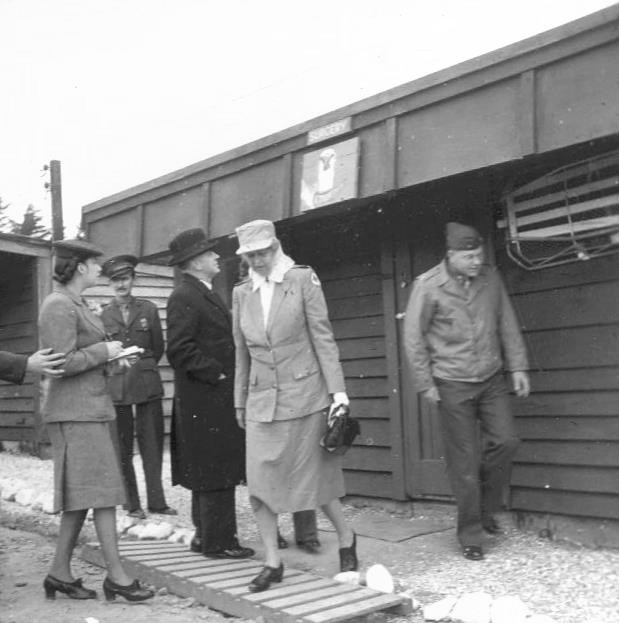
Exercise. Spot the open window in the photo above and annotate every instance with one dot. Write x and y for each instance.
(568, 215)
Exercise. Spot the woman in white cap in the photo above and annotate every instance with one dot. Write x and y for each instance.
(79, 416)
(288, 375)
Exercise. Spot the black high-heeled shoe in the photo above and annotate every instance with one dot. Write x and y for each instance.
(263, 580)
(132, 592)
(348, 556)
(74, 589)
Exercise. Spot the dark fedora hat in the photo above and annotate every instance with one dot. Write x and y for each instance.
(75, 248)
(118, 266)
(188, 244)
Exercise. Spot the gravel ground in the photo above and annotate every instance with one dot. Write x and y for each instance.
(572, 584)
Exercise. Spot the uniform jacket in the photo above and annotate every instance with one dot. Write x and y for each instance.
(288, 370)
(207, 445)
(460, 335)
(12, 367)
(68, 326)
(141, 382)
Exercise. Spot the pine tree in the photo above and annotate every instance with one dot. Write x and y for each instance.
(32, 225)
(6, 224)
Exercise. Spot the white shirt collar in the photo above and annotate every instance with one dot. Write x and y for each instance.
(282, 265)
(207, 284)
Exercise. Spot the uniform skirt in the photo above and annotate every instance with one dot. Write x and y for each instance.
(86, 465)
(287, 469)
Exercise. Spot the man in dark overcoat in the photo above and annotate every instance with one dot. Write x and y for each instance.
(135, 322)
(13, 366)
(207, 445)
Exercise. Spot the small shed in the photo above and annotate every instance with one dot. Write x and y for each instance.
(363, 194)
(25, 279)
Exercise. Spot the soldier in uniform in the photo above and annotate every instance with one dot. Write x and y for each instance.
(135, 322)
(460, 334)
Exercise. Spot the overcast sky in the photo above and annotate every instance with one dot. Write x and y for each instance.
(122, 91)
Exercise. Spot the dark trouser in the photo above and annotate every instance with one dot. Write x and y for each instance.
(214, 516)
(305, 529)
(480, 442)
(149, 431)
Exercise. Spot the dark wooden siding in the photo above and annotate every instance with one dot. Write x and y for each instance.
(348, 264)
(155, 284)
(18, 335)
(569, 459)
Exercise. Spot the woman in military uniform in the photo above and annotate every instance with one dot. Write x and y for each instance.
(79, 415)
(287, 374)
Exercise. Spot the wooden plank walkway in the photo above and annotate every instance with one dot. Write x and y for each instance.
(222, 585)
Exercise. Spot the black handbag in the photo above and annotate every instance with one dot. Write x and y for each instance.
(341, 430)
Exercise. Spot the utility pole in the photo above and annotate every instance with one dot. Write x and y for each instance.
(55, 187)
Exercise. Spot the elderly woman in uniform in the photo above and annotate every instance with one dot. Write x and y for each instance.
(79, 415)
(287, 374)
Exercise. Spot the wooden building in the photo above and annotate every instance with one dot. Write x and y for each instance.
(363, 194)
(25, 279)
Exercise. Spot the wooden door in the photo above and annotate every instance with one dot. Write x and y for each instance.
(423, 451)
(420, 244)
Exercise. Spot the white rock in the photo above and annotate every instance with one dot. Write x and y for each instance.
(44, 502)
(472, 608)
(348, 577)
(541, 618)
(181, 535)
(25, 497)
(124, 522)
(136, 530)
(10, 488)
(439, 610)
(508, 609)
(379, 578)
(156, 531)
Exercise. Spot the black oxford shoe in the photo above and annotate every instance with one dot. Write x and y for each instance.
(196, 545)
(311, 547)
(233, 552)
(74, 590)
(491, 526)
(348, 556)
(473, 552)
(132, 592)
(263, 580)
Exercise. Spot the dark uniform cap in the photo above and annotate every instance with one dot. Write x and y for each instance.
(188, 244)
(462, 237)
(119, 265)
(80, 249)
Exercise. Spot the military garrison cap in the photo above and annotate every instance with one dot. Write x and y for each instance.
(462, 237)
(119, 265)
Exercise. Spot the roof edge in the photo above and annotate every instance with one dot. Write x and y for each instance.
(476, 64)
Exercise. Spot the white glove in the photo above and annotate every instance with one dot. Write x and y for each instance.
(340, 398)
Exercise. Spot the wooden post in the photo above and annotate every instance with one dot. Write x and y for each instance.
(56, 190)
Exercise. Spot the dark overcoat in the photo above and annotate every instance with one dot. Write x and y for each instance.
(12, 367)
(207, 446)
(141, 382)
